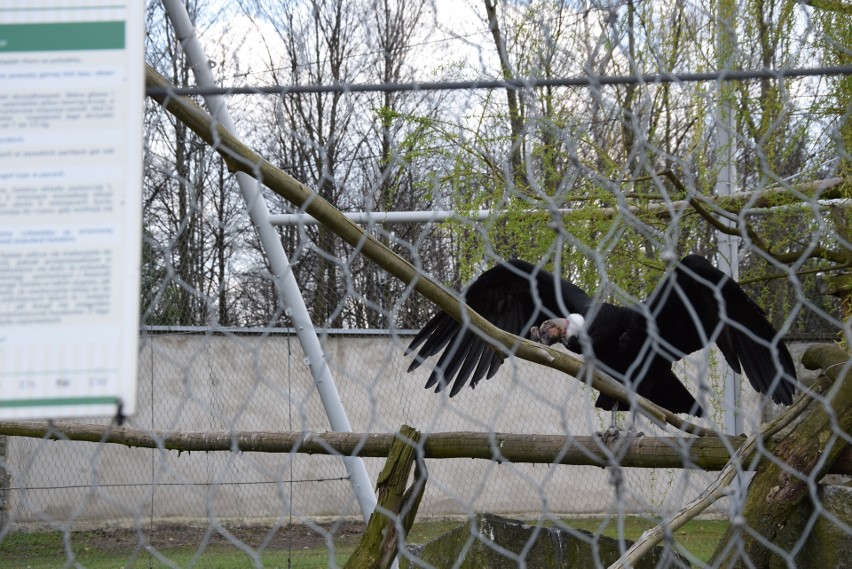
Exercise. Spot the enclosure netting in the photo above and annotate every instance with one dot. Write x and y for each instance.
(592, 139)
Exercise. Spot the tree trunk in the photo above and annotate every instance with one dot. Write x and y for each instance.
(513, 99)
(805, 453)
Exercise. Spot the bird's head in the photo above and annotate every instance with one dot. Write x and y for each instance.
(558, 330)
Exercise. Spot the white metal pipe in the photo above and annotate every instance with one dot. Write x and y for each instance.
(403, 217)
(288, 288)
(728, 245)
(387, 217)
(406, 217)
(376, 217)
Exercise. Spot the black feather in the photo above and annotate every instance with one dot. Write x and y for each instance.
(693, 306)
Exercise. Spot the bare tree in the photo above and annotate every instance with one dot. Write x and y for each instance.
(360, 152)
(192, 219)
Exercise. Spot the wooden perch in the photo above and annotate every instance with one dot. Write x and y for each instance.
(802, 457)
(397, 507)
(707, 453)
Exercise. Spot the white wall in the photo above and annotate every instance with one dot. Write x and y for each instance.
(201, 383)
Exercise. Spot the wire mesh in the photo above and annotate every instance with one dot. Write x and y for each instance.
(521, 113)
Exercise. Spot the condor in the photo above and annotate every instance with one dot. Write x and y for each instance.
(694, 306)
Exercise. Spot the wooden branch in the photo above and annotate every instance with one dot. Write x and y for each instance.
(768, 198)
(707, 453)
(838, 6)
(802, 273)
(803, 455)
(734, 202)
(397, 507)
(719, 487)
(239, 157)
(707, 216)
(726, 229)
(725, 205)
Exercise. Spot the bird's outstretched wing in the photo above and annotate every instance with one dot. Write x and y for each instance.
(513, 296)
(698, 304)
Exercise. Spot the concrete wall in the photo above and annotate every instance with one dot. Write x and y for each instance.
(199, 383)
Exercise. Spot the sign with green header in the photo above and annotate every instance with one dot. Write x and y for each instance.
(71, 105)
(62, 36)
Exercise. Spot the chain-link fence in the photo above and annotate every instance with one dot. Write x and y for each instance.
(197, 382)
(602, 142)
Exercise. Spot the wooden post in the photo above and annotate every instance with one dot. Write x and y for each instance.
(396, 507)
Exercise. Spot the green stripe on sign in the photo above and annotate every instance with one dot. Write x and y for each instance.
(58, 402)
(61, 37)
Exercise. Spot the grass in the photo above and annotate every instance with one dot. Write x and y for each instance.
(111, 550)
(90, 549)
(697, 537)
(213, 557)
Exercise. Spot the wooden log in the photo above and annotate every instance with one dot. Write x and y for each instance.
(706, 453)
(397, 507)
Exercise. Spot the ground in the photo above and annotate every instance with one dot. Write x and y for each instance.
(298, 545)
(168, 536)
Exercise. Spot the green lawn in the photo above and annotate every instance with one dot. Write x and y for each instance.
(114, 549)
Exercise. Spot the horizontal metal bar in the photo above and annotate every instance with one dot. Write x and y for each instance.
(527, 83)
(380, 217)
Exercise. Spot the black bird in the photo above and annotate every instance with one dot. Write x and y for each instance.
(693, 306)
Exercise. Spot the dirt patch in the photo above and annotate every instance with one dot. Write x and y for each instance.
(168, 536)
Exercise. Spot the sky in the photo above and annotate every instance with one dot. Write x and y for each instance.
(457, 32)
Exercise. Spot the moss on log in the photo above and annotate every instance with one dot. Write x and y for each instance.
(390, 522)
(801, 458)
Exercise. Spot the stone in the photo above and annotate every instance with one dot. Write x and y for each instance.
(495, 542)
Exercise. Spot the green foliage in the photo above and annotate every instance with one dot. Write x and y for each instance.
(834, 20)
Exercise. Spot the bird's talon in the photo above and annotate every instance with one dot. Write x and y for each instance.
(613, 434)
(610, 435)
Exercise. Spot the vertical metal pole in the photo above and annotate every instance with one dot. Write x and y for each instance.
(286, 285)
(728, 255)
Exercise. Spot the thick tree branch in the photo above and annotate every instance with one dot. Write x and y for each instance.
(784, 275)
(801, 459)
(516, 122)
(741, 229)
(838, 6)
(728, 206)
